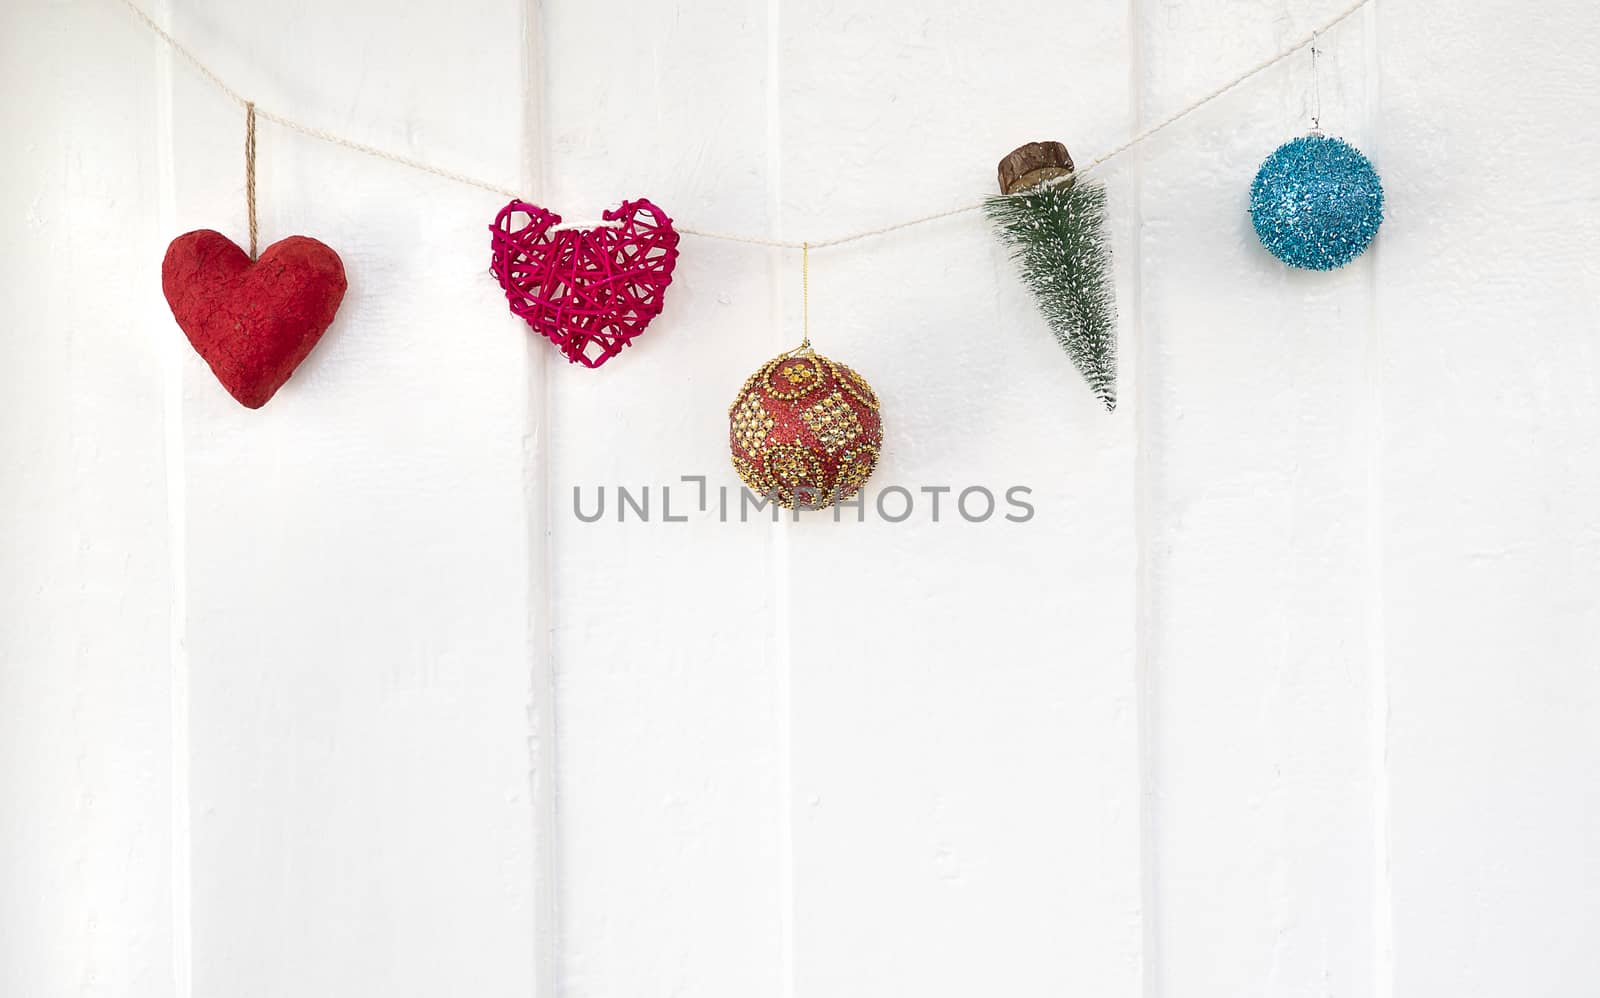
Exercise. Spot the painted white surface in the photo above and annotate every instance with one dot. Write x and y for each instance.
(1285, 690)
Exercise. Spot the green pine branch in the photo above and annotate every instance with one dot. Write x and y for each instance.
(1057, 236)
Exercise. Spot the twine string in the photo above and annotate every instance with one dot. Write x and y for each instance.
(492, 188)
(598, 223)
(250, 170)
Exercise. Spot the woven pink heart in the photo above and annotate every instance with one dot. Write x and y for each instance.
(588, 291)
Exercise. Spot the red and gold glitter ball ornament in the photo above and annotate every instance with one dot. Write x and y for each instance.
(805, 430)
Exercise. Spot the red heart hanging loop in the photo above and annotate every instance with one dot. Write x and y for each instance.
(253, 321)
(588, 291)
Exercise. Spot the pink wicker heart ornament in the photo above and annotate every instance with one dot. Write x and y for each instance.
(588, 291)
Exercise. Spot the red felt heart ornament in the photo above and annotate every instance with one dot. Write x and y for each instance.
(252, 321)
(589, 291)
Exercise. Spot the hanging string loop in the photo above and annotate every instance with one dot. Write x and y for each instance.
(250, 170)
(1316, 88)
(805, 296)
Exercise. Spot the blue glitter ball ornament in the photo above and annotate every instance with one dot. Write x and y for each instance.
(1316, 203)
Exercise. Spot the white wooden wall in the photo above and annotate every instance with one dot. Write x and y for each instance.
(1288, 689)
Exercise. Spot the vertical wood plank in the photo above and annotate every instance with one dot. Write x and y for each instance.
(84, 580)
(358, 571)
(543, 735)
(1257, 539)
(1488, 306)
(669, 839)
(964, 752)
